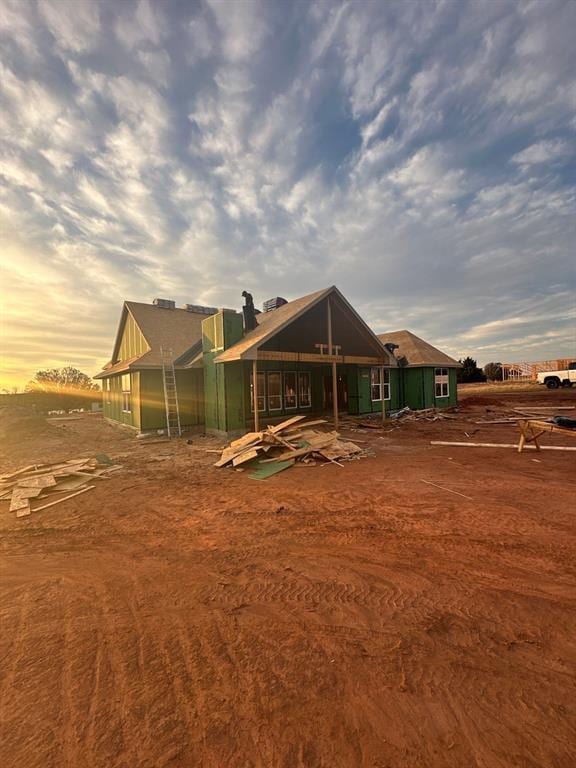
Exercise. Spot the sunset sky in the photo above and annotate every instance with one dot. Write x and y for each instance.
(420, 156)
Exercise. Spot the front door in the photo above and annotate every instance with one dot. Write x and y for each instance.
(342, 387)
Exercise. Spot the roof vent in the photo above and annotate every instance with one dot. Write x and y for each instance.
(199, 309)
(274, 303)
(164, 303)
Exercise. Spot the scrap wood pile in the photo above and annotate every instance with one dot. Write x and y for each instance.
(426, 414)
(37, 482)
(279, 447)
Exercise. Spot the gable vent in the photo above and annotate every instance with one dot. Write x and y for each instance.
(164, 303)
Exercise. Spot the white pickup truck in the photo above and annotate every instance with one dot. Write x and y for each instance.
(555, 379)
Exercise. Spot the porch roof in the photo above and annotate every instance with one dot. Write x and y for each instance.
(272, 323)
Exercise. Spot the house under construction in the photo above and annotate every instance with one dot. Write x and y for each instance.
(184, 367)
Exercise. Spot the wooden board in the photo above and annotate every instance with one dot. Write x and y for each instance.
(312, 446)
(21, 497)
(42, 481)
(286, 424)
(67, 485)
(11, 475)
(502, 445)
(249, 437)
(58, 501)
(306, 425)
(54, 468)
(244, 457)
(280, 441)
(228, 454)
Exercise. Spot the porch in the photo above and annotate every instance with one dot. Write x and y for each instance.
(313, 356)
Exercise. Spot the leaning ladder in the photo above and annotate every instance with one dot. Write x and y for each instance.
(170, 394)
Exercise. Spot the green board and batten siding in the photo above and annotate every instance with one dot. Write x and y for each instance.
(147, 408)
(190, 390)
(112, 400)
(360, 392)
(223, 384)
(419, 388)
(133, 344)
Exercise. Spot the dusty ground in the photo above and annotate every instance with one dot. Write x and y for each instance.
(181, 615)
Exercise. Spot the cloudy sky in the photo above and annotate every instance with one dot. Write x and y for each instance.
(421, 156)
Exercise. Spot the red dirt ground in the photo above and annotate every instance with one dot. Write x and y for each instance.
(183, 615)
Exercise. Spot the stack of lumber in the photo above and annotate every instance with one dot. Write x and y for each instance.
(278, 447)
(32, 484)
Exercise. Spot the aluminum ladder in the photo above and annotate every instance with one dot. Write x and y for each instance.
(170, 394)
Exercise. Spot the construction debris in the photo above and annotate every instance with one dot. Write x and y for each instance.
(399, 417)
(46, 481)
(279, 447)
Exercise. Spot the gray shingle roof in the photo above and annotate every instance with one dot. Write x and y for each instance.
(416, 350)
(174, 329)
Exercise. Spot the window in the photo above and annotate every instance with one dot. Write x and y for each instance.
(376, 384)
(441, 381)
(274, 391)
(304, 393)
(126, 393)
(290, 395)
(261, 393)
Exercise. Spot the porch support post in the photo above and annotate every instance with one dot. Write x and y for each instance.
(382, 394)
(329, 326)
(255, 395)
(334, 367)
(335, 394)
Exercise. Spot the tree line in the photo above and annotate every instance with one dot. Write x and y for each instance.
(470, 372)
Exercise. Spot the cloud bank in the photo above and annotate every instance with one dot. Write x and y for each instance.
(421, 156)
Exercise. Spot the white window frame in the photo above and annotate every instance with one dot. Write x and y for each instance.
(261, 392)
(286, 406)
(442, 380)
(378, 384)
(301, 375)
(279, 374)
(126, 393)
